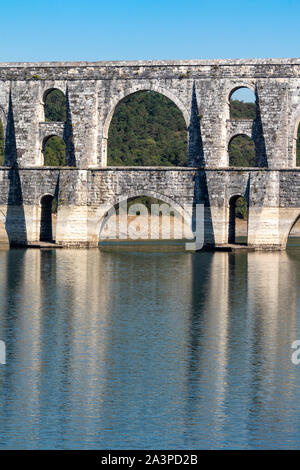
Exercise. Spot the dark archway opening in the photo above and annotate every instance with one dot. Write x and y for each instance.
(55, 106)
(241, 150)
(147, 129)
(48, 218)
(54, 151)
(238, 220)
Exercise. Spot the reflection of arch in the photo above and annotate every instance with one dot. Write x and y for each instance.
(44, 143)
(46, 218)
(248, 140)
(62, 95)
(232, 217)
(135, 89)
(106, 209)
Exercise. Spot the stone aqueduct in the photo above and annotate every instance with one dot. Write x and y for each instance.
(201, 90)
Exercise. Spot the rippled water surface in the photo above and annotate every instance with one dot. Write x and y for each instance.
(136, 349)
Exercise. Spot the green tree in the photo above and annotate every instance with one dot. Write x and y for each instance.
(242, 151)
(55, 152)
(241, 110)
(241, 208)
(147, 129)
(55, 106)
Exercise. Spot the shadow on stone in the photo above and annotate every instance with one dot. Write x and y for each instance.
(68, 134)
(15, 223)
(258, 137)
(201, 196)
(10, 150)
(196, 153)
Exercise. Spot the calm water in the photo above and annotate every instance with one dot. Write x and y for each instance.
(135, 349)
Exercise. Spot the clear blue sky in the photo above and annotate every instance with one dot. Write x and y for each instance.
(130, 29)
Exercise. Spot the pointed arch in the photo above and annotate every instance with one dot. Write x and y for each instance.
(241, 151)
(55, 105)
(242, 103)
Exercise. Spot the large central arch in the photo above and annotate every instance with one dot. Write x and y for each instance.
(135, 89)
(129, 91)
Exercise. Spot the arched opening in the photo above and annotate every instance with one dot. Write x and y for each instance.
(294, 234)
(48, 218)
(241, 151)
(147, 129)
(298, 146)
(54, 151)
(2, 144)
(55, 108)
(144, 218)
(242, 104)
(238, 220)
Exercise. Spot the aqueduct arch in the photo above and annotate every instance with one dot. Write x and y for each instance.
(130, 91)
(105, 210)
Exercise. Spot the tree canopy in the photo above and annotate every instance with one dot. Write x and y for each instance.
(242, 110)
(242, 151)
(147, 129)
(55, 106)
(55, 152)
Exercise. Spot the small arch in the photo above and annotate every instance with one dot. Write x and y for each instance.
(242, 151)
(242, 103)
(147, 129)
(55, 105)
(48, 205)
(238, 220)
(54, 151)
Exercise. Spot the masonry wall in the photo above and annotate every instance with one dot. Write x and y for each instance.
(85, 196)
(201, 90)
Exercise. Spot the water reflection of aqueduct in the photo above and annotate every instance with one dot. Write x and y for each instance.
(201, 90)
(201, 346)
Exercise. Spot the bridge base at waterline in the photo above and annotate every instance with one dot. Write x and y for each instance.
(78, 227)
(85, 197)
